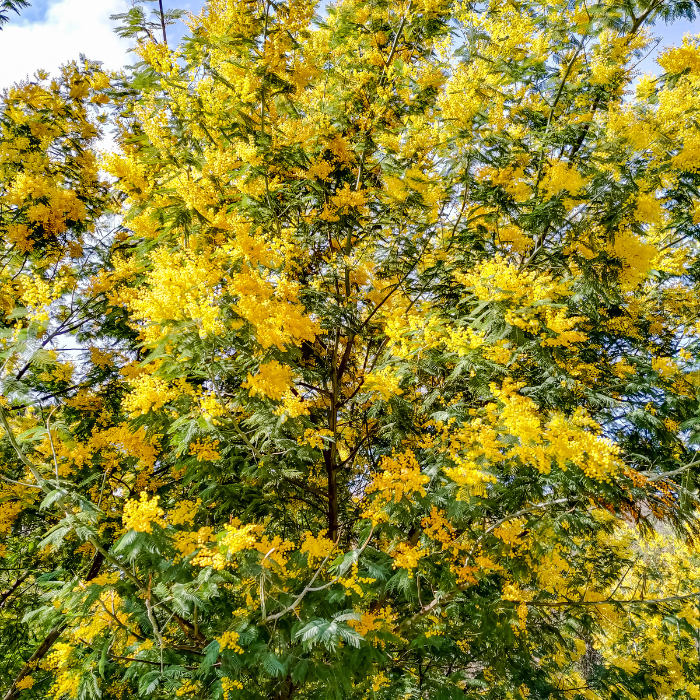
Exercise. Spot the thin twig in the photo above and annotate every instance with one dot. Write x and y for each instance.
(309, 588)
(162, 21)
(609, 601)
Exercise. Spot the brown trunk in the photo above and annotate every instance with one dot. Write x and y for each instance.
(50, 638)
(39, 654)
(285, 689)
(332, 494)
(162, 21)
(6, 594)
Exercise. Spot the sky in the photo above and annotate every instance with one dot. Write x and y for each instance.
(52, 32)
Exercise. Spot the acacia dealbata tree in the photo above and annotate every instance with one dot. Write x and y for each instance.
(363, 364)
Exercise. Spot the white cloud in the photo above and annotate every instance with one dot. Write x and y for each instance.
(70, 27)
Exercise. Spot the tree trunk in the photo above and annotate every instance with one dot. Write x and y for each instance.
(50, 638)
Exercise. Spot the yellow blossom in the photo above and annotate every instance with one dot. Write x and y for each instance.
(142, 514)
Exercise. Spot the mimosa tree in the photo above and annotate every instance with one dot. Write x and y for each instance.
(366, 365)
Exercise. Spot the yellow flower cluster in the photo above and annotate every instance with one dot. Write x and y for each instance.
(210, 557)
(438, 527)
(346, 198)
(530, 296)
(120, 440)
(59, 656)
(205, 451)
(188, 688)
(374, 621)
(512, 179)
(85, 400)
(636, 254)
(353, 581)
(188, 542)
(385, 382)
(20, 236)
(680, 58)
(66, 680)
(649, 209)
(563, 177)
(274, 313)
(272, 380)
(539, 441)
(149, 393)
(59, 372)
(228, 685)
(513, 592)
(517, 239)
(317, 548)
(62, 209)
(510, 530)
(463, 340)
(101, 358)
(142, 514)
(185, 512)
(665, 366)
(275, 549)
(131, 174)
(99, 619)
(65, 684)
(229, 640)
(35, 292)
(314, 438)
(366, 624)
(500, 280)
(211, 406)
(562, 324)
(380, 681)
(238, 538)
(8, 513)
(157, 55)
(407, 557)
(180, 287)
(292, 406)
(400, 477)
